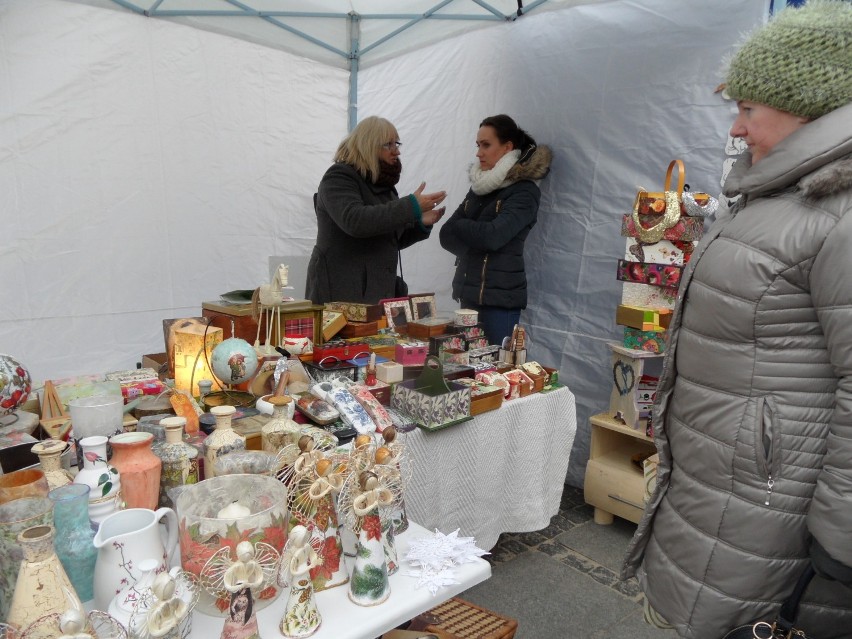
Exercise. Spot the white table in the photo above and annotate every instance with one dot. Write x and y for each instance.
(503, 471)
(342, 619)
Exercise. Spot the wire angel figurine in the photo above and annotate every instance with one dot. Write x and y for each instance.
(400, 462)
(164, 610)
(360, 504)
(240, 576)
(72, 624)
(301, 616)
(296, 460)
(312, 505)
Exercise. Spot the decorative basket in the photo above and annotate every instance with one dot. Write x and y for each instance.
(460, 619)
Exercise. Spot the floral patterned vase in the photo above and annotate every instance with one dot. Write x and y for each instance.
(49, 454)
(74, 536)
(180, 459)
(138, 467)
(369, 584)
(223, 440)
(42, 588)
(101, 478)
(15, 517)
(279, 431)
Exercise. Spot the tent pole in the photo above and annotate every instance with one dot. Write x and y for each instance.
(354, 57)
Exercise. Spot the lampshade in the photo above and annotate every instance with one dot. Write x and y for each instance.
(193, 351)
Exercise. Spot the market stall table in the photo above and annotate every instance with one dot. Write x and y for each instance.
(342, 619)
(503, 471)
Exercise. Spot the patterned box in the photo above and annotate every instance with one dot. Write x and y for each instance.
(411, 353)
(650, 341)
(440, 343)
(431, 400)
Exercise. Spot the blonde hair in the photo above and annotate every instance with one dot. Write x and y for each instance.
(360, 149)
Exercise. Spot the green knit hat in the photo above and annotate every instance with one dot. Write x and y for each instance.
(800, 62)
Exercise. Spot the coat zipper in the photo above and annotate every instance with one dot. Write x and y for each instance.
(766, 431)
(482, 279)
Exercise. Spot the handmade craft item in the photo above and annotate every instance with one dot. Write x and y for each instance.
(164, 604)
(240, 575)
(301, 617)
(279, 431)
(27, 482)
(102, 479)
(49, 454)
(359, 504)
(180, 460)
(73, 623)
(223, 440)
(394, 444)
(42, 586)
(123, 540)
(649, 273)
(74, 536)
(139, 467)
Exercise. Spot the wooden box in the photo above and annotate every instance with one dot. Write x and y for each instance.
(359, 329)
(483, 397)
(332, 323)
(303, 313)
(411, 353)
(356, 312)
(426, 328)
(433, 402)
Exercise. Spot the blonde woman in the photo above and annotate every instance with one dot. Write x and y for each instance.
(362, 223)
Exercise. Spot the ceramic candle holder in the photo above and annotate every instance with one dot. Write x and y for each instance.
(203, 531)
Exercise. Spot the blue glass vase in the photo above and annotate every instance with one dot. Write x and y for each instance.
(74, 535)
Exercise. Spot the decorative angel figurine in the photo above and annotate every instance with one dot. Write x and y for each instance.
(312, 505)
(72, 624)
(296, 461)
(360, 503)
(252, 569)
(165, 608)
(301, 617)
(394, 444)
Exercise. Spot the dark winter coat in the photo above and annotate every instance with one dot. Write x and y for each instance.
(487, 233)
(753, 415)
(360, 229)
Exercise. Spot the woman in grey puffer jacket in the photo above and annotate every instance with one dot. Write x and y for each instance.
(753, 417)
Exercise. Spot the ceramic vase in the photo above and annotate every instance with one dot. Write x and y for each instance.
(280, 431)
(49, 454)
(223, 440)
(101, 478)
(369, 584)
(74, 536)
(15, 517)
(124, 540)
(179, 459)
(29, 482)
(139, 469)
(42, 587)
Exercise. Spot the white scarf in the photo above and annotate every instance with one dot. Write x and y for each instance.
(484, 182)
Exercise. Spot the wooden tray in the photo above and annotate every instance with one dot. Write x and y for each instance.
(461, 619)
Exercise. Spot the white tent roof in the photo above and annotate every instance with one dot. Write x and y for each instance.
(336, 31)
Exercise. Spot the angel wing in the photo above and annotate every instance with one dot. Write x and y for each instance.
(106, 626)
(7, 631)
(268, 558)
(212, 576)
(166, 611)
(74, 624)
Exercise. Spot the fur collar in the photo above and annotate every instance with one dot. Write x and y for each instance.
(508, 170)
(828, 180)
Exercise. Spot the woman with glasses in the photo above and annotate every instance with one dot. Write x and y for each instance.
(362, 223)
(488, 230)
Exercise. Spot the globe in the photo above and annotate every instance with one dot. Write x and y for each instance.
(234, 361)
(15, 384)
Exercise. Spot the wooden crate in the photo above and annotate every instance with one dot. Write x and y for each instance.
(461, 619)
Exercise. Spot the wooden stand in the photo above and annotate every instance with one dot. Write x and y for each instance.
(54, 420)
(614, 485)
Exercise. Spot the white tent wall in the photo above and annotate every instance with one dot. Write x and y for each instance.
(145, 167)
(617, 89)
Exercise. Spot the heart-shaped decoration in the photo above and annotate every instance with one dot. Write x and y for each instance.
(624, 377)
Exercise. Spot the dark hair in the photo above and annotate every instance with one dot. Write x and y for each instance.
(508, 131)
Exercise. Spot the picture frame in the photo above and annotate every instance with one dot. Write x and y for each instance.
(397, 312)
(423, 306)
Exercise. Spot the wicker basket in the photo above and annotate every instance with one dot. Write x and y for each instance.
(460, 619)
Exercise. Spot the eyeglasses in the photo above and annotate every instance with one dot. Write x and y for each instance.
(392, 146)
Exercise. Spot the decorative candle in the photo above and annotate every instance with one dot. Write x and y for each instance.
(234, 510)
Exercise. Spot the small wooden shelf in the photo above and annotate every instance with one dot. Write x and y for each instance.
(614, 485)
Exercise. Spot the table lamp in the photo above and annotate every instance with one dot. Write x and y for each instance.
(192, 354)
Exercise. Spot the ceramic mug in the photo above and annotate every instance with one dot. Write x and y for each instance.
(297, 345)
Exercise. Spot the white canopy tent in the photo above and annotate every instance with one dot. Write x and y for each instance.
(147, 165)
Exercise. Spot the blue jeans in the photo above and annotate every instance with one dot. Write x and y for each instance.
(497, 322)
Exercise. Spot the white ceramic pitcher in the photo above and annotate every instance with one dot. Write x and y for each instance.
(124, 540)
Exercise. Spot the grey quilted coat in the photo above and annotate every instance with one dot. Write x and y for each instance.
(753, 420)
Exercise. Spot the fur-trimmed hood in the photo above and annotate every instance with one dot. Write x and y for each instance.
(535, 168)
(829, 180)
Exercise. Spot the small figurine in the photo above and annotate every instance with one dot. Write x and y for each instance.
(71, 624)
(240, 578)
(301, 617)
(360, 504)
(165, 609)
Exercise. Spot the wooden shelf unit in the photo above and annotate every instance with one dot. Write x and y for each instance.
(613, 484)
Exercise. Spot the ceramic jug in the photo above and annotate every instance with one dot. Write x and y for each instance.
(123, 540)
(102, 479)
